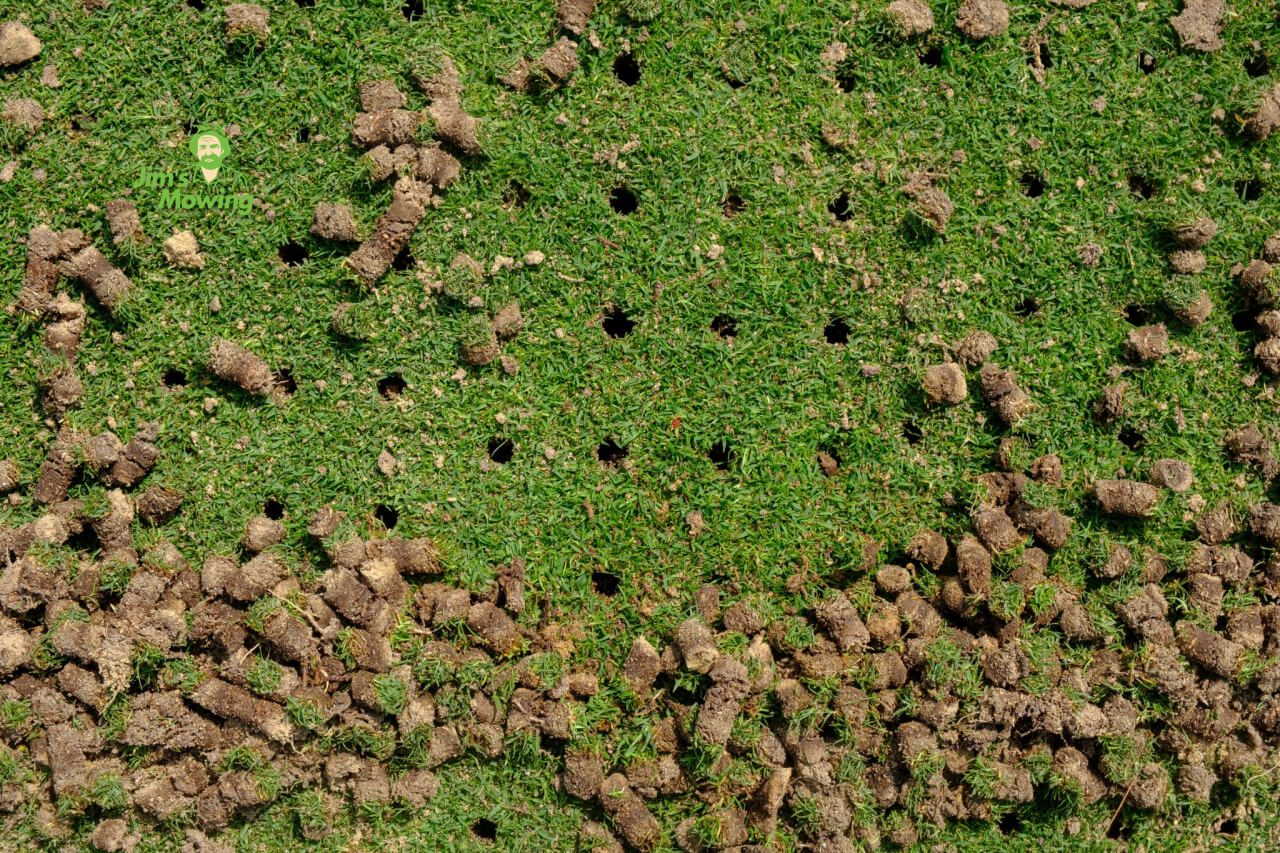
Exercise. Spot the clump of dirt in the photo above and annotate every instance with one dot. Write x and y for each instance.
(1126, 497)
(241, 367)
(574, 15)
(334, 222)
(1195, 235)
(1255, 280)
(1192, 311)
(108, 284)
(182, 251)
(1266, 118)
(932, 204)
(1174, 474)
(1147, 343)
(17, 44)
(910, 17)
(158, 504)
(391, 232)
(478, 341)
(945, 384)
(983, 19)
(126, 227)
(378, 96)
(1001, 391)
(1187, 261)
(25, 113)
(508, 322)
(1199, 24)
(247, 19)
(975, 348)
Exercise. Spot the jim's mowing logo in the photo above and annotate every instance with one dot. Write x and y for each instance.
(206, 184)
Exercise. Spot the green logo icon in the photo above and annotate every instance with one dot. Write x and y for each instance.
(209, 146)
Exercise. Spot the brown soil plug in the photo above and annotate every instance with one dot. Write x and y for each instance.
(392, 231)
(239, 366)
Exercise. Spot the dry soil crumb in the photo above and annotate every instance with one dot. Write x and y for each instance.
(912, 17)
(158, 504)
(334, 222)
(181, 250)
(1200, 24)
(1001, 390)
(247, 19)
(945, 384)
(17, 43)
(981, 19)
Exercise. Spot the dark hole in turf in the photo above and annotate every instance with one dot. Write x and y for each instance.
(1010, 823)
(391, 386)
(605, 584)
(273, 509)
(293, 253)
(931, 56)
(174, 378)
(1142, 186)
(1257, 65)
(304, 134)
(387, 516)
(306, 4)
(1249, 189)
(912, 433)
(626, 69)
(1027, 307)
(733, 205)
(86, 541)
(724, 326)
(403, 260)
(845, 79)
(412, 10)
(836, 331)
(734, 82)
(485, 829)
(1032, 184)
(1230, 826)
(515, 195)
(76, 124)
(721, 454)
(623, 201)
(611, 453)
(198, 5)
(1137, 315)
(1244, 321)
(1119, 830)
(1146, 62)
(1131, 438)
(840, 208)
(501, 449)
(1042, 54)
(617, 324)
(190, 127)
(285, 381)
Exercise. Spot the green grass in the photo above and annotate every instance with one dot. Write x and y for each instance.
(776, 394)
